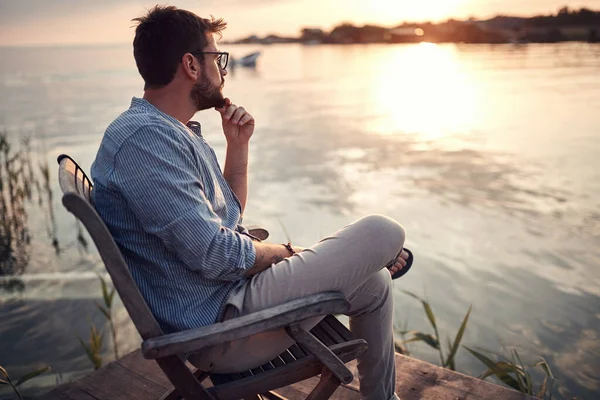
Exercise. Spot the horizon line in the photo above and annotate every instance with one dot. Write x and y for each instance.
(299, 29)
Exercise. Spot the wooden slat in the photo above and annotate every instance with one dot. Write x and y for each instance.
(322, 336)
(297, 352)
(326, 326)
(278, 362)
(67, 392)
(338, 327)
(300, 390)
(416, 379)
(220, 379)
(283, 315)
(322, 352)
(327, 385)
(281, 377)
(146, 368)
(246, 374)
(115, 264)
(267, 367)
(287, 357)
(117, 382)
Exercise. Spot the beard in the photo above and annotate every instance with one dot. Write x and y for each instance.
(205, 95)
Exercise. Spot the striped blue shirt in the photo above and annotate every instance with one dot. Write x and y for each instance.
(159, 189)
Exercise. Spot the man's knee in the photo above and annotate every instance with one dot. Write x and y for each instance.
(385, 233)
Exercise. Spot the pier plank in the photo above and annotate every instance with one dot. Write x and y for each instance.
(135, 377)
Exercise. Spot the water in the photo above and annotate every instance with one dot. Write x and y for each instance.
(488, 155)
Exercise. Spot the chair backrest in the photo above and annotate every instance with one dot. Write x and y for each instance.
(72, 178)
(77, 189)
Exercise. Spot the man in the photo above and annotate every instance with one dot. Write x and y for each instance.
(176, 216)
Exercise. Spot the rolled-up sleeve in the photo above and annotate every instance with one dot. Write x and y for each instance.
(156, 173)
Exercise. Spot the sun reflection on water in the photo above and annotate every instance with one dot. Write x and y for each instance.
(426, 91)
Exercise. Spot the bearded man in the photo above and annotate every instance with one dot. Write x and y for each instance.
(176, 216)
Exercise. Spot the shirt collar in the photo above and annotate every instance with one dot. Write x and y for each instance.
(194, 126)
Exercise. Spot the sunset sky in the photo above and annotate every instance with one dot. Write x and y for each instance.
(46, 22)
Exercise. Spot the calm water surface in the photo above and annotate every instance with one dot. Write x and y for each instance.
(488, 155)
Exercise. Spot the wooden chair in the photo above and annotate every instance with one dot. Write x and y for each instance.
(323, 350)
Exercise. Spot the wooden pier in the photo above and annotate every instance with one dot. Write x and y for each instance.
(133, 377)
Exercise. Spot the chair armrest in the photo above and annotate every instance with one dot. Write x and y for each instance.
(222, 332)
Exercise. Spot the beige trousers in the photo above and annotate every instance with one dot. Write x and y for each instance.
(351, 261)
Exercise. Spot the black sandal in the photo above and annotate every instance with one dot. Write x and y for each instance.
(406, 268)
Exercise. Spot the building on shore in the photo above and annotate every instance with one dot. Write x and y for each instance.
(406, 35)
(312, 36)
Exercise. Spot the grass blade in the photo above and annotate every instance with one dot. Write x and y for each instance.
(94, 349)
(545, 366)
(500, 365)
(32, 375)
(110, 297)
(96, 339)
(103, 311)
(287, 235)
(458, 338)
(542, 392)
(450, 361)
(526, 376)
(427, 338)
(411, 294)
(499, 372)
(87, 351)
(104, 291)
(430, 314)
(427, 308)
(519, 376)
(400, 348)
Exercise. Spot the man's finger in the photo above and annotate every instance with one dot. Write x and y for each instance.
(229, 112)
(237, 115)
(245, 119)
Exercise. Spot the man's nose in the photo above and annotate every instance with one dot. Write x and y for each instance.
(224, 72)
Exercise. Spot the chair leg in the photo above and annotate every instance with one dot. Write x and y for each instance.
(173, 394)
(327, 385)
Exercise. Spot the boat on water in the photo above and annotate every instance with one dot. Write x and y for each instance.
(247, 61)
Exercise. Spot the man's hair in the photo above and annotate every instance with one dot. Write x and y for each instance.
(163, 36)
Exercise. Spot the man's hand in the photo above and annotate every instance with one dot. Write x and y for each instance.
(238, 124)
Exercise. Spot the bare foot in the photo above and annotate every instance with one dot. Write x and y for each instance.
(400, 262)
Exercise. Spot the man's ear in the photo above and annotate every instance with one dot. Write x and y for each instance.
(191, 66)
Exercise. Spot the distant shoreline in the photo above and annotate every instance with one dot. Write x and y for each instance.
(566, 25)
